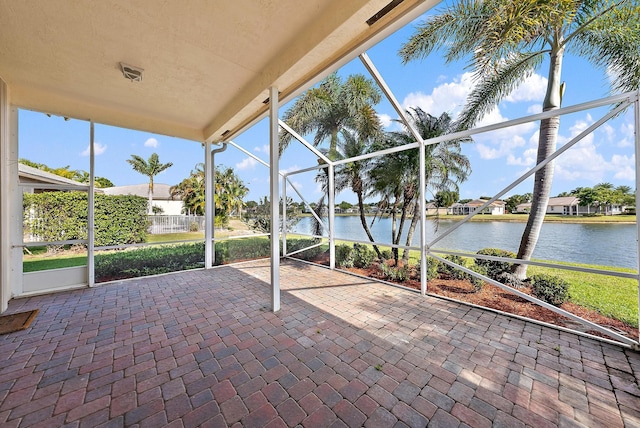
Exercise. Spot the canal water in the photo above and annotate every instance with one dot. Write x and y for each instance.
(601, 244)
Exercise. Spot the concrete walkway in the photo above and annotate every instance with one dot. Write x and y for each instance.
(201, 348)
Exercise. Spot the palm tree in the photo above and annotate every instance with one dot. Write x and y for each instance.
(191, 191)
(508, 40)
(333, 106)
(397, 176)
(354, 175)
(229, 191)
(150, 168)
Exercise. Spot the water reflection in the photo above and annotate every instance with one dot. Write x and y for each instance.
(602, 244)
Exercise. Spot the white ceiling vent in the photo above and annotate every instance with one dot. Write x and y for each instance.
(132, 73)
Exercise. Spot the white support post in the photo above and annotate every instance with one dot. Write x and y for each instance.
(422, 206)
(284, 216)
(209, 208)
(636, 111)
(91, 229)
(5, 178)
(331, 207)
(274, 160)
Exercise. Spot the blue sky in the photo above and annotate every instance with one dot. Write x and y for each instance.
(497, 158)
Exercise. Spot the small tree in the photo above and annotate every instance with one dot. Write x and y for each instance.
(150, 168)
(260, 220)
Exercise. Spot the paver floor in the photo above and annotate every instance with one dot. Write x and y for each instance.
(201, 348)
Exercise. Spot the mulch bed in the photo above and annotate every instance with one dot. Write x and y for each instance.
(494, 297)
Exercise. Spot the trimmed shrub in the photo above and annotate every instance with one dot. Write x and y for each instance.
(386, 254)
(344, 256)
(450, 271)
(433, 268)
(395, 274)
(551, 289)
(298, 244)
(477, 282)
(510, 279)
(363, 256)
(494, 267)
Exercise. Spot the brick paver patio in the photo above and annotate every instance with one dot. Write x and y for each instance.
(201, 348)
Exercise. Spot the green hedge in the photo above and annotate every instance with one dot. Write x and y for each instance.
(148, 261)
(60, 216)
(159, 259)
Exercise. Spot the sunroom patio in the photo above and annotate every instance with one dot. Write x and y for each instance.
(202, 348)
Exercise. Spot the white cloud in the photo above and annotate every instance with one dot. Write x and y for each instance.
(609, 133)
(502, 142)
(151, 142)
(385, 119)
(290, 169)
(624, 167)
(297, 185)
(534, 109)
(98, 149)
(247, 163)
(627, 131)
(263, 149)
(584, 162)
(528, 158)
(532, 89)
(448, 97)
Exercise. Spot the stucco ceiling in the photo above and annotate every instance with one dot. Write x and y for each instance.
(207, 64)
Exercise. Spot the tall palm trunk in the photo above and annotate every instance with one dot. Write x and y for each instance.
(543, 178)
(150, 197)
(410, 232)
(363, 220)
(394, 229)
(407, 204)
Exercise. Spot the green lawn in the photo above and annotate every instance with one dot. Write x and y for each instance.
(171, 237)
(609, 295)
(53, 262)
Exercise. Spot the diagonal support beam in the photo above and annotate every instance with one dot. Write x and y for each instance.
(533, 170)
(313, 213)
(305, 142)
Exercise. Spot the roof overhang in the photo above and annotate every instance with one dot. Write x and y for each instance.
(207, 65)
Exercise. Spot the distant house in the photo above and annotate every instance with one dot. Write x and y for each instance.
(433, 209)
(161, 196)
(570, 205)
(495, 208)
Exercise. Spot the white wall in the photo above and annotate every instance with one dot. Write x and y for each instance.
(9, 279)
(169, 207)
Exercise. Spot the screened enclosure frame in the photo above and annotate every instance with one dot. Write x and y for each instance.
(620, 102)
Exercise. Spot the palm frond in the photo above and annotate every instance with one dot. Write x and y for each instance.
(492, 87)
(457, 28)
(612, 43)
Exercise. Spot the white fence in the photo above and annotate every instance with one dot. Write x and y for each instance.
(175, 223)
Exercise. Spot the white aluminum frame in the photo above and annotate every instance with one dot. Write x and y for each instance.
(622, 101)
